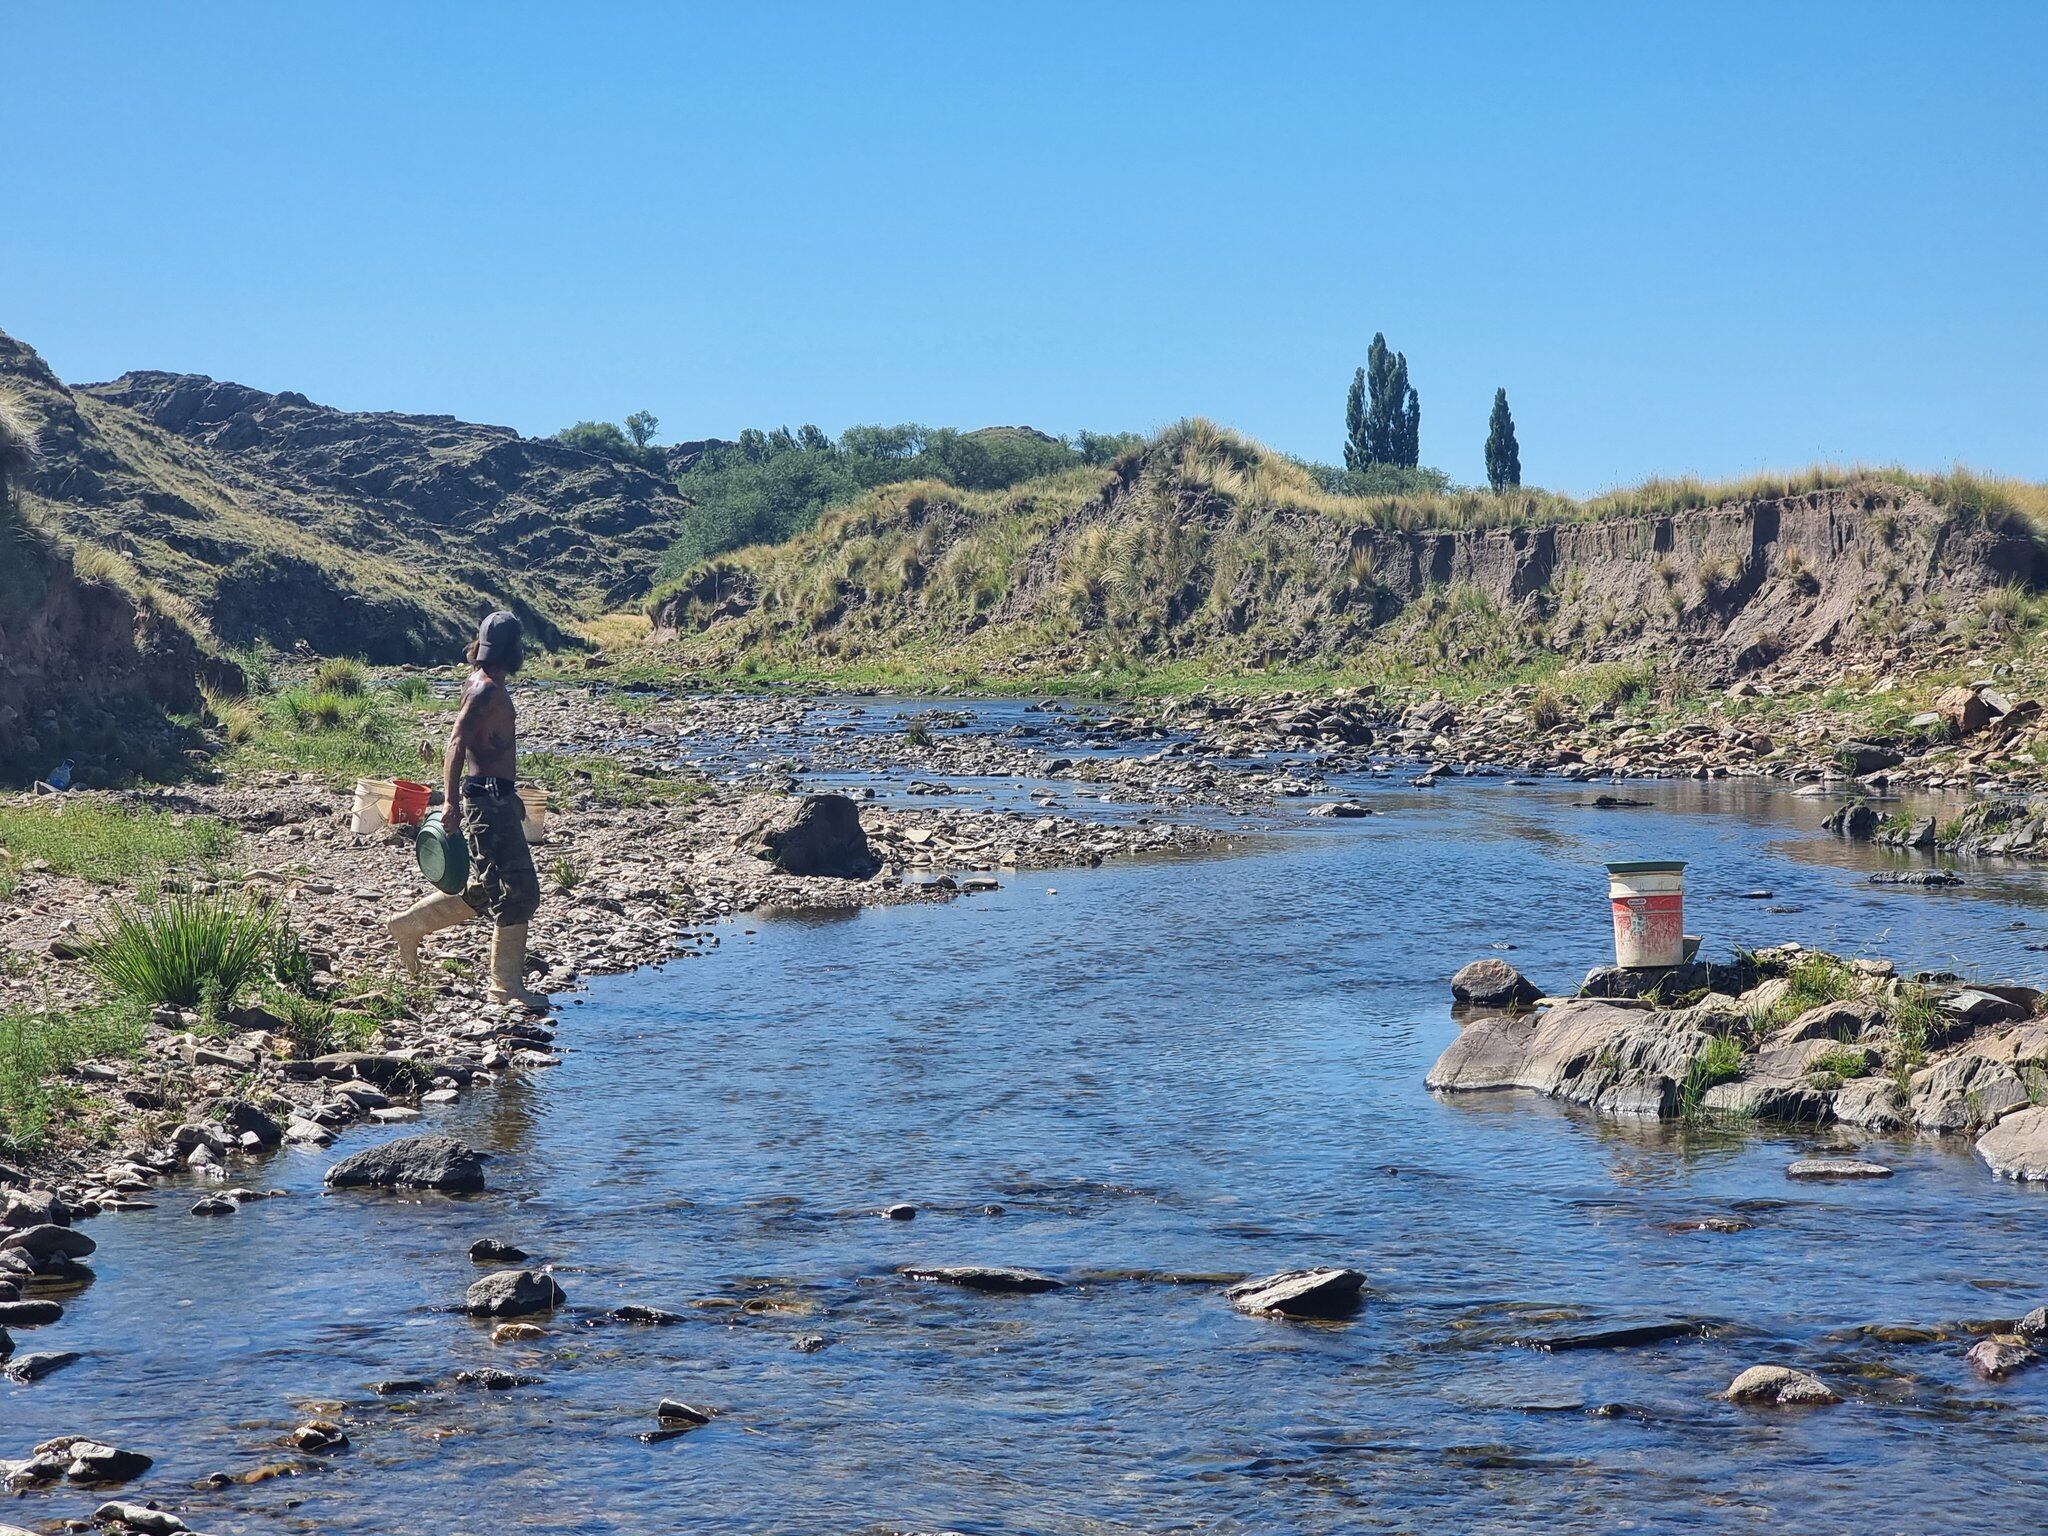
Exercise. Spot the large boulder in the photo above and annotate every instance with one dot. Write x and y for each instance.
(817, 835)
(1861, 757)
(1624, 1061)
(1963, 709)
(513, 1293)
(1322, 1293)
(2017, 1147)
(1967, 1092)
(1493, 984)
(413, 1162)
(48, 1241)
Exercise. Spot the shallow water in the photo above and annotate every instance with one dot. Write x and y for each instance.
(1187, 1068)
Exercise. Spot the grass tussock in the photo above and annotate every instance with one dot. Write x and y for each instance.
(110, 843)
(188, 951)
(613, 631)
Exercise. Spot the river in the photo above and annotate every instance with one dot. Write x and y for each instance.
(1139, 1078)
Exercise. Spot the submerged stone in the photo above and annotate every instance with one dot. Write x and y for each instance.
(986, 1277)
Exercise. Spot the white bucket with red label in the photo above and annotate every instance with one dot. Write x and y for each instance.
(1648, 898)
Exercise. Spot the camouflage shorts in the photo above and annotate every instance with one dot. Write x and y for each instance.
(502, 881)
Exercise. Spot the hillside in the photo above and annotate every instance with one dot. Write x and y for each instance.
(367, 533)
(1205, 552)
(87, 670)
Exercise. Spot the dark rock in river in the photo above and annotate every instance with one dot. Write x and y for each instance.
(143, 1519)
(513, 1293)
(36, 1366)
(1493, 984)
(1857, 821)
(675, 1414)
(1779, 1384)
(245, 1119)
(413, 1162)
(30, 1314)
(95, 1462)
(1925, 877)
(490, 1250)
(648, 1317)
(1304, 1293)
(817, 835)
(1999, 1356)
(493, 1380)
(1633, 1336)
(987, 1277)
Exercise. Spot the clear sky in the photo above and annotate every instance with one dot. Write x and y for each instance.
(1704, 238)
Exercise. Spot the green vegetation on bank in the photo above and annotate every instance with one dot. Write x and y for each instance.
(108, 842)
(772, 485)
(38, 1045)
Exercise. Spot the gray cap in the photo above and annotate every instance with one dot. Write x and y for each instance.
(499, 638)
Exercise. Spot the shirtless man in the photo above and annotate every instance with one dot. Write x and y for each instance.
(480, 777)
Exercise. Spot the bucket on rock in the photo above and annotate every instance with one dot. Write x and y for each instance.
(408, 802)
(372, 812)
(1648, 898)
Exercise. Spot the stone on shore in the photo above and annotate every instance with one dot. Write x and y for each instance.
(987, 1277)
(2017, 1147)
(48, 1241)
(30, 1314)
(1779, 1384)
(1836, 1168)
(1493, 984)
(819, 835)
(1303, 1293)
(412, 1162)
(513, 1293)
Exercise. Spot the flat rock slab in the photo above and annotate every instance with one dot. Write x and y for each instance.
(1836, 1168)
(987, 1277)
(513, 1293)
(1633, 1336)
(27, 1368)
(1779, 1384)
(1310, 1293)
(2017, 1147)
(412, 1162)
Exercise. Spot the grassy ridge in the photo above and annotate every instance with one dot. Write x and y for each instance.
(1200, 550)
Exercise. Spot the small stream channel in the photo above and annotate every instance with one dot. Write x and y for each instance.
(1160, 1073)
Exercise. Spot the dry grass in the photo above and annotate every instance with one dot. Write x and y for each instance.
(613, 631)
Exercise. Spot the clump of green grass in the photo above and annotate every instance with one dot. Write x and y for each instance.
(317, 1027)
(1720, 1062)
(566, 874)
(340, 736)
(341, 675)
(188, 951)
(1547, 709)
(37, 1044)
(1914, 1018)
(1812, 979)
(1840, 1063)
(414, 690)
(110, 843)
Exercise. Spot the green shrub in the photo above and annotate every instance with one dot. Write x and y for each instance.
(1841, 1063)
(317, 1027)
(341, 675)
(193, 952)
(566, 873)
(414, 690)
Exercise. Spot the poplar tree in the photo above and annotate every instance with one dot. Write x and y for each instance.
(1503, 453)
(1357, 445)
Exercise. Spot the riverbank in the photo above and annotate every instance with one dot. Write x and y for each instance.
(641, 855)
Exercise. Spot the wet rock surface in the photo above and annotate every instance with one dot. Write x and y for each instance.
(513, 1293)
(1327, 1293)
(413, 1162)
(1780, 1384)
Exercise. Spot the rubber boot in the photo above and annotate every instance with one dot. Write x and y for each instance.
(508, 969)
(420, 919)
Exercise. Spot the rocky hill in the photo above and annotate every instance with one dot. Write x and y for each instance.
(1202, 550)
(88, 670)
(347, 532)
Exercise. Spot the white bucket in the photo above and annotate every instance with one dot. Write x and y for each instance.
(1648, 901)
(372, 812)
(536, 803)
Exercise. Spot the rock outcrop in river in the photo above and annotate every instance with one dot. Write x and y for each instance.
(1796, 1037)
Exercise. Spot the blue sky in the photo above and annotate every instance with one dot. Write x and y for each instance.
(1710, 238)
